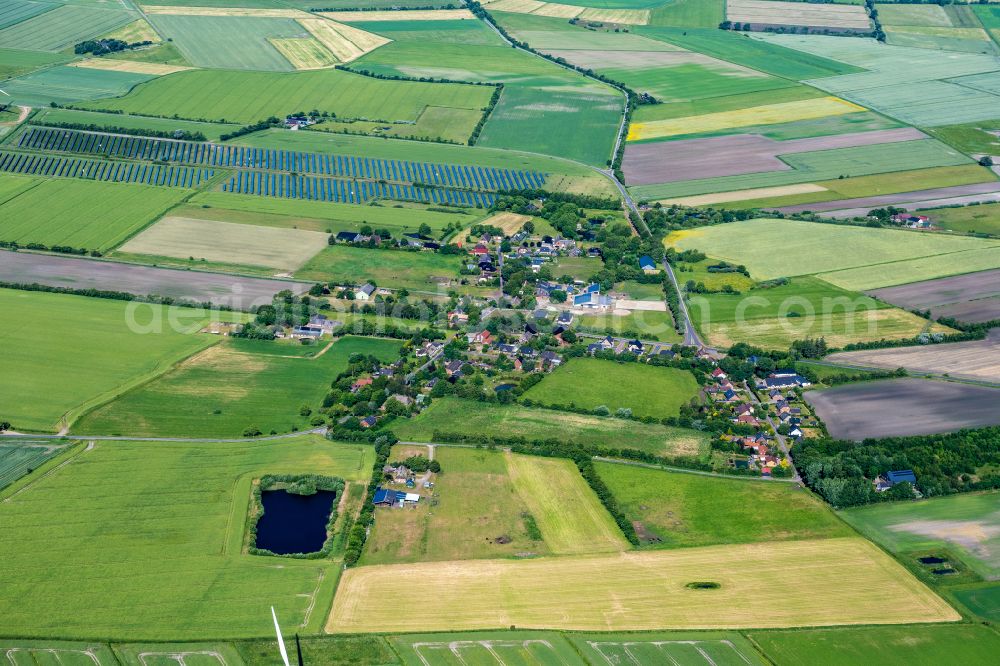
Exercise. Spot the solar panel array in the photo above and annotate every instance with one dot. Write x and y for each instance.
(106, 170)
(272, 184)
(244, 157)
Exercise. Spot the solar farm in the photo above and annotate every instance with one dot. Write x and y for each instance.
(499, 332)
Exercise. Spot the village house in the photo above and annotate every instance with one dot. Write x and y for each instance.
(364, 292)
(360, 384)
(886, 481)
(648, 266)
(458, 318)
(453, 368)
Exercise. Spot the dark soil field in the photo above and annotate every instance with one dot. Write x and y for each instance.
(923, 198)
(76, 273)
(904, 407)
(690, 159)
(973, 297)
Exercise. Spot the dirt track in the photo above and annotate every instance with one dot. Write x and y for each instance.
(691, 159)
(77, 273)
(973, 297)
(907, 406)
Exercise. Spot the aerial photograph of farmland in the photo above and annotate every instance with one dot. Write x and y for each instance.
(499, 332)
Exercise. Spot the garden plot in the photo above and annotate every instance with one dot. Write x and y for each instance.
(61, 271)
(691, 159)
(974, 297)
(226, 242)
(977, 360)
(819, 582)
(902, 407)
(766, 13)
(918, 86)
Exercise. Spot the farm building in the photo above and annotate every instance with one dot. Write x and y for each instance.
(388, 497)
(648, 266)
(364, 292)
(889, 479)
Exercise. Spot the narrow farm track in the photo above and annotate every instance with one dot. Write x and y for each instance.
(191, 440)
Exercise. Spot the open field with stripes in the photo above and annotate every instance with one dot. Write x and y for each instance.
(762, 14)
(18, 458)
(63, 84)
(59, 27)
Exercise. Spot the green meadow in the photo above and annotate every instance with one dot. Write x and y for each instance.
(68, 85)
(680, 509)
(87, 350)
(984, 219)
(461, 417)
(145, 540)
(983, 600)
(923, 645)
(246, 97)
(14, 62)
(395, 269)
(108, 121)
(967, 525)
(589, 383)
(228, 388)
(92, 215)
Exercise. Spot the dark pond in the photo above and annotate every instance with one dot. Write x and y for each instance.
(932, 560)
(294, 523)
(504, 387)
(943, 572)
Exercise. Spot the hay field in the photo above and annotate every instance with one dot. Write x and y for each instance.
(745, 195)
(806, 245)
(132, 66)
(226, 242)
(345, 42)
(589, 383)
(88, 214)
(821, 582)
(781, 112)
(976, 360)
(229, 42)
(90, 354)
(251, 12)
(766, 12)
(160, 528)
(570, 517)
(458, 416)
(225, 389)
(678, 510)
(558, 10)
(303, 52)
(246, 97)
(136, 31)
(511, 223)
(967, 524)
(400, 15)
(395, 270)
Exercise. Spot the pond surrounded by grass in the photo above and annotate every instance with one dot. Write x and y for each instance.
(294, 523)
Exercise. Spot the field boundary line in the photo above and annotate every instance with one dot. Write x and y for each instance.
(683, 470)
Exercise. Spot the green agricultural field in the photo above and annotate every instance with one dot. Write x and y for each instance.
(18, 458)
(925, 645)
(966, 525)
(438, 32)
(680, 648)
(367, 650)
(81, 213)
(569, 515)
(246, 97)
(970, 138)
(650, 112)
(14, 62)
(487, 649)
(395, 269)
(229, 42)
(690, 13)
(641, 291)
(66, 85)
(60, 652)
(320, 216)
(589, 383)
(984, 600)
(645, 324)
(111, 121)
(984, 219)
(579, 268)
(460, 417)
(801, 297)
(228, 388)
(15, 11)
(475, 511)
(161, 528)
(91, 355)
(168, 654)
(679, 509)
(804, 249)
(63, 26)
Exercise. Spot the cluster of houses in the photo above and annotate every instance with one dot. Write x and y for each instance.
(318, 326)
(412, 239)
(911, 221)
(635, 347)
(782, 379)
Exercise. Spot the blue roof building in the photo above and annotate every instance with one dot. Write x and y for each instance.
(647, 264)
(899, 476)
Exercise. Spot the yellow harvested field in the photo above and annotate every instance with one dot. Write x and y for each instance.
(626, 16)
(775, 584)
(569, 515)
(511, 223)
(518, 6)
(769, 114)
(172, 10)
(769, 12)
(303, 52)
(744, 195)
(556, 10)
(401, 15)
(132, 66)
(136, 31)
(343, 41)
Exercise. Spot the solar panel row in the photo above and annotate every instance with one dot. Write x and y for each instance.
(122, 172)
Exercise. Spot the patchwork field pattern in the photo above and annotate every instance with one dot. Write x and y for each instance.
(345, 42)
(762, 13)
(61, 27)
(943, 27)
(197, 495)
(228, 42)
(557, 10)
(131, 66)
(644, 590)
(900, 407)
(967, 524)
(973, 297)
